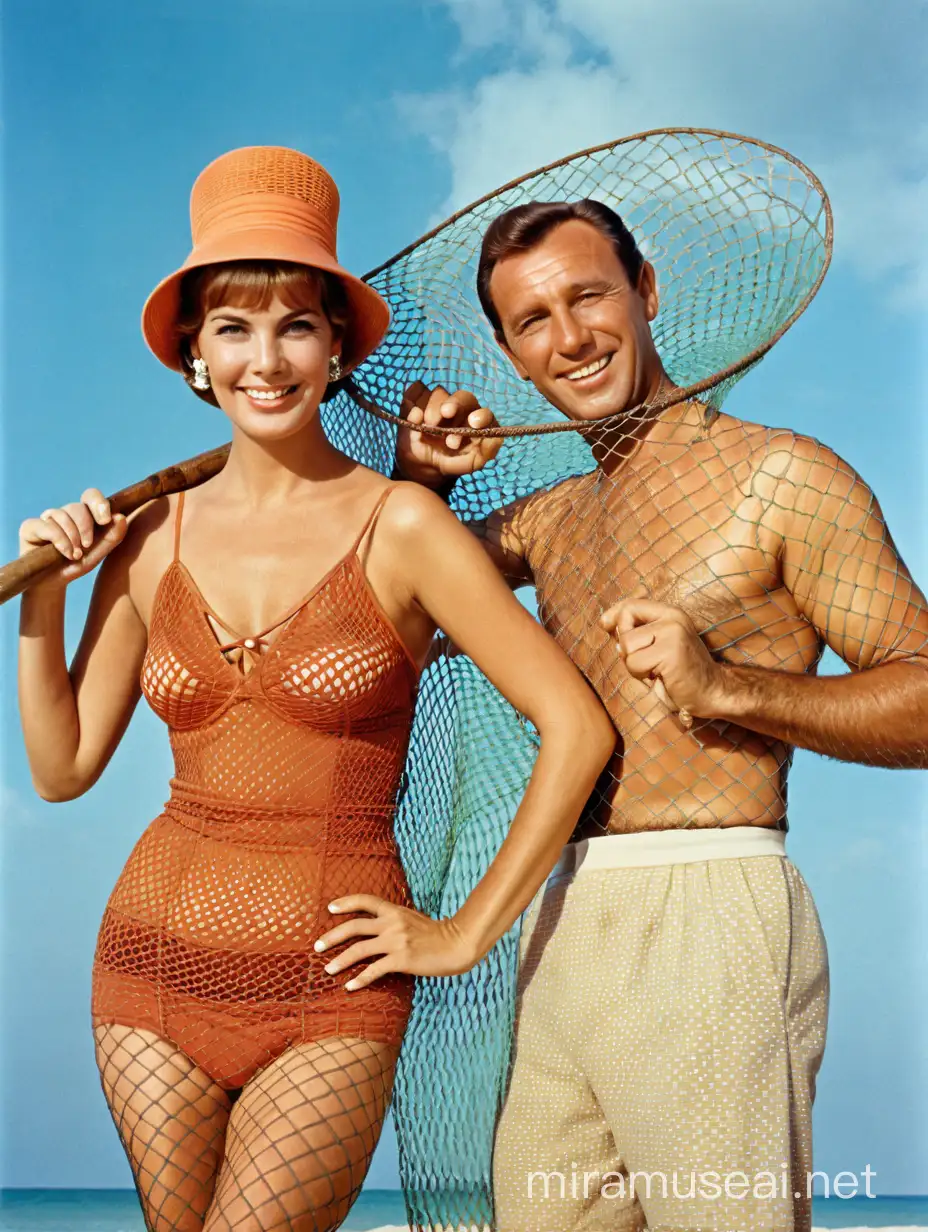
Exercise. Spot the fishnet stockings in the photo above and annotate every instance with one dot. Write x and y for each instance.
(289, 1152)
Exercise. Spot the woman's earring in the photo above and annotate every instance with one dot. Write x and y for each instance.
(335, 368)
(200, 375)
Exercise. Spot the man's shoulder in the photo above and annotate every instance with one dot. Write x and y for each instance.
(776, 451)
(559, 492)
(794, 474)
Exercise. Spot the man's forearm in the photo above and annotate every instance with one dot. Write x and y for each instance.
(878, 716)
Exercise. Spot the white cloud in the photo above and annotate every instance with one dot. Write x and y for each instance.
(828, 81)
(514, 121)
(481, 22)
(529, 27)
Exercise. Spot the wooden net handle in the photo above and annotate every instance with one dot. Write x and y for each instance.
(20, 574)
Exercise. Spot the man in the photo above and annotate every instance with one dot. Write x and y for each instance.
(673, 980)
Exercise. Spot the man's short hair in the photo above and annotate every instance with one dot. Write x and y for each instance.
(525, 226)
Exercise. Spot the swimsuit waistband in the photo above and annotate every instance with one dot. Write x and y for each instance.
(670, 847)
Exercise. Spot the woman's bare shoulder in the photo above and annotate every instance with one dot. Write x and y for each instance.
(145, 552)
(412, 509)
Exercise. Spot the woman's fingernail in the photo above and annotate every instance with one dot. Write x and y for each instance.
(76, 553)
(319, 947)
(332, 969)
(334, 907)
(351, 985)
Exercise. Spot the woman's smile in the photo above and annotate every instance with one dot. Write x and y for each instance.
(269, 398)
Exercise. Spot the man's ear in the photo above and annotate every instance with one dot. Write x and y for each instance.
(516, 363)
(647, 289)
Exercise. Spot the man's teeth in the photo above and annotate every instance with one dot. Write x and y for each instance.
(268, 395)
(596, 366)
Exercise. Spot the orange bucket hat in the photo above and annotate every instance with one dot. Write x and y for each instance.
(265, 203)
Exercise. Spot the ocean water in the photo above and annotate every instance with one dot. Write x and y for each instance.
(116, 1210)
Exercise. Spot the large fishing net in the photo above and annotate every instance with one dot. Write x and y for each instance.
(770, 542)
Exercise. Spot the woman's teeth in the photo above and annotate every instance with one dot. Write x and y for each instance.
(596, 366)
(270, 395)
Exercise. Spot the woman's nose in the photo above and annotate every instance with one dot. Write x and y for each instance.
(266, 359)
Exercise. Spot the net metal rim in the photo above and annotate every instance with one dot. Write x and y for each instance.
(663, 400)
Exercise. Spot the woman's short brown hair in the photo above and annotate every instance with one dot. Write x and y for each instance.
(252, 284)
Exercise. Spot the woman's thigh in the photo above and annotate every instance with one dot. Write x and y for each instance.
(172, 1120)
(301, 1137)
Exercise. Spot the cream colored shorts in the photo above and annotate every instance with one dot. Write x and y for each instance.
(673, 996)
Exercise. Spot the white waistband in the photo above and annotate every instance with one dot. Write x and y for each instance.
(670, 847)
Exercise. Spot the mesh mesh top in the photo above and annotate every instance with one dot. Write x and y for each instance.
(286, 780)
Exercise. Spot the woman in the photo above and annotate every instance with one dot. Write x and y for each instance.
(247, 1070)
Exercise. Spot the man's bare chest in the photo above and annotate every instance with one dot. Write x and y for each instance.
(698, 546)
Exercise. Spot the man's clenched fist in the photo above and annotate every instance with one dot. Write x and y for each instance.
(660, 643)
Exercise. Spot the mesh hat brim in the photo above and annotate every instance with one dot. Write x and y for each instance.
(369, 315)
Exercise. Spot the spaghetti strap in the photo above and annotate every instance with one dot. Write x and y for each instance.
(178, 514)
(241, 639)
(371, 519)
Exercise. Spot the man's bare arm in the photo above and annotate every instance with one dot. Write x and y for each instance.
(878, 717)
(841, 566)
(437, 462)
(839, 563)
(500, 541)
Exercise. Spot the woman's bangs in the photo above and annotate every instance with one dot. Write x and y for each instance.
(253, 286)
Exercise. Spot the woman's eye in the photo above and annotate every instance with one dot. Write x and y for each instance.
(229, 329)
(302, 327)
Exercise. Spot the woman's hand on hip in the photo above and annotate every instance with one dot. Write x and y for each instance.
(399, 939)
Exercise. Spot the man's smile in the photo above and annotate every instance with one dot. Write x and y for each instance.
(588, 370)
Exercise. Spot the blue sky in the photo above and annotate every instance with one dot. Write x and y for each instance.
(111, 109)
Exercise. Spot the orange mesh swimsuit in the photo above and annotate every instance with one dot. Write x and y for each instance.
(286, 779)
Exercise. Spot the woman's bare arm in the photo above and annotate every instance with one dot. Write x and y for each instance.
(450, 577)
(463, 593)
(73, 718)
